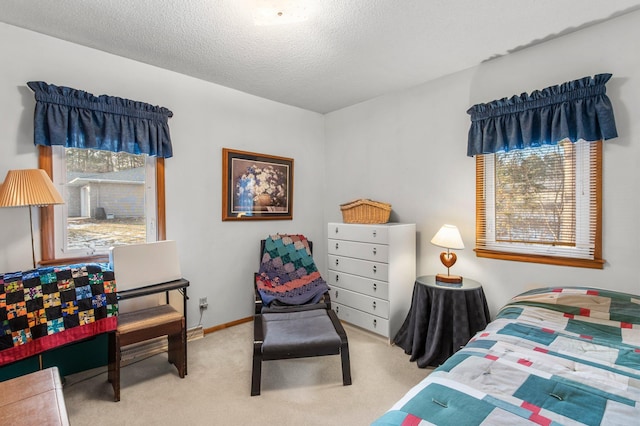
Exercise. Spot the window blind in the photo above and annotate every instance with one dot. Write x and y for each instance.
(542, 201)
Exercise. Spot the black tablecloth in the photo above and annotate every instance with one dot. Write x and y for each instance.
(441, 320)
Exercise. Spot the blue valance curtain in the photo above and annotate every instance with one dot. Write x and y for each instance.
(578, 109)
(77, 119)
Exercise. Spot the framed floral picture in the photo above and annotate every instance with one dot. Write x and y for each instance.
(256, 186)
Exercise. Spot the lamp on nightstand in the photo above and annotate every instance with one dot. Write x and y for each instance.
(448, 237)
(30, 187)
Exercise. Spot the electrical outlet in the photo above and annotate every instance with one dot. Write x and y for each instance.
(203, 303)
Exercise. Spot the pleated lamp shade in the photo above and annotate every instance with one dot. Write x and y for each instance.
(29, 187)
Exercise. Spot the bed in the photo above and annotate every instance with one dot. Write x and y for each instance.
(552, 356)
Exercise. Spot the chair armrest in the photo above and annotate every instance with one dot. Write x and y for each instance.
(258, 331)
(326, 299)
(257, 299)
(338, 326)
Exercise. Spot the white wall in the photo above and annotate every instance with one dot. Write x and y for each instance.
(217, 257)
(409, 149)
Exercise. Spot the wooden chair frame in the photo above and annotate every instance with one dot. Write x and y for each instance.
(299, 351)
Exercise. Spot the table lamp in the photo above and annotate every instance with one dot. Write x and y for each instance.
(448, 237)
(29, 187)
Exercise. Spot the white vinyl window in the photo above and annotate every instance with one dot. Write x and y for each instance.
(110, 200)
(541, 204)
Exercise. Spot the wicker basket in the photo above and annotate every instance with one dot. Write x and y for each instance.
(365, 211)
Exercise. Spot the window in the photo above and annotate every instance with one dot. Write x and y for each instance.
(541, 204)
(110, 199)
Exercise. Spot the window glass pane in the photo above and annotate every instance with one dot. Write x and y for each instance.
(105, 199)
(535, 195)
(541, 205)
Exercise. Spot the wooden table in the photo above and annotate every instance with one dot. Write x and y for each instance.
(33, 399)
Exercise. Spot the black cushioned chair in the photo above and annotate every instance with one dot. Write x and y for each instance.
(284, 332)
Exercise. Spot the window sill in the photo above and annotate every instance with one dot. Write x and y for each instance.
(548, 260)
(100, 258)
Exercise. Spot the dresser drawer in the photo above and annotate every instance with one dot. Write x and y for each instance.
(372, 305)
(375, 288)
(365, 268)
(362, 319)
(355, 232)
(367, 251)
(371, 272)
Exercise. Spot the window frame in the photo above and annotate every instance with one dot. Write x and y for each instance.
(596, 263)
(47, 215)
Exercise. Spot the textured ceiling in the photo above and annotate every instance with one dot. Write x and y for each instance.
(347, 51)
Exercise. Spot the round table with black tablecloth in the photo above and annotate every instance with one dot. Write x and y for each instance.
(442, 319)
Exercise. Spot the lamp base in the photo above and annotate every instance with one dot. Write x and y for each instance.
(449, 279)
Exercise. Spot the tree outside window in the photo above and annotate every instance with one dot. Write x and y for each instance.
(541, 204)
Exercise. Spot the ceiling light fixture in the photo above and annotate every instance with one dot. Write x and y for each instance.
(279, 12)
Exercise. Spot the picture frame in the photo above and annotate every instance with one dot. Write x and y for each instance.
(256, 186)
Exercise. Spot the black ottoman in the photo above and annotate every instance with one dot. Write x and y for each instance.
(298, 335)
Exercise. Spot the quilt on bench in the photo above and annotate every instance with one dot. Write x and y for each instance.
(47, 307)
(553, 356)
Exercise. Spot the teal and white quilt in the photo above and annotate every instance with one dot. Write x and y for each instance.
(553, 356)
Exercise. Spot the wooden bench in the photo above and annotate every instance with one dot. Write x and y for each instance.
(146, 324)
(143, 272)
(33, 399)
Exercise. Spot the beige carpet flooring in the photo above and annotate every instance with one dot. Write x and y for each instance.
(216, 390)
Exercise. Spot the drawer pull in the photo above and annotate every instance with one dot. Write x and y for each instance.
(336, 246)
(374, 233)
(336, 229)
(375, 287)
(374, 305)
(374, 268)
(374, 251)
(337, 261)
(337, 309)
(337, 278)
(375, 323)
(336, 296)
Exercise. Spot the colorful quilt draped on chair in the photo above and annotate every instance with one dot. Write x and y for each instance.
(288, 273)
(47, 307)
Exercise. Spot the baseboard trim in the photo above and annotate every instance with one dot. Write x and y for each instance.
(227, 325)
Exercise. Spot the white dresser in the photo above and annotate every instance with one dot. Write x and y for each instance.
(372, 269)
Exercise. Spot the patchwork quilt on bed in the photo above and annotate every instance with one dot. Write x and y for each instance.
(47, 307)
(553, 356)
(288, 273)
